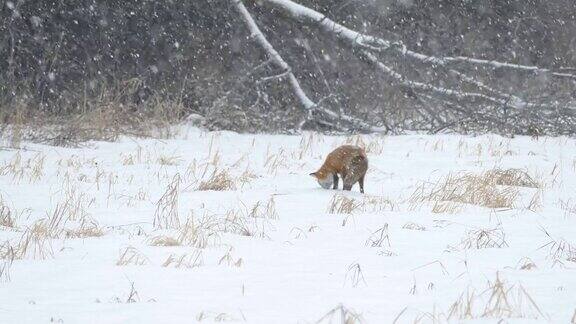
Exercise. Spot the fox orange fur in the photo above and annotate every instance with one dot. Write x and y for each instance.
(348, 161)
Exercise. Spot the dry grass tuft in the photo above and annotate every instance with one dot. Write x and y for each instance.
(276, 161)
(53, 225)
(218, 181)
(5, 266)
(446, 207)
(127, 159)
(7, 255)
(434, 316)
(246, 177)
(166, 214)
(512, 177)
(483, 239)
(196, 233)
(267, 211)
(354, 275)
(199, 234)
(378, 237)
(13, 167)
(133, 200)
(74, 206)
(131, 256)
(36, 168)
(31, 169)
(481, 190)
(498, 301)
(35, 242)
(138, 157)
(374, 204)
(341, 314)
(6, 217)
(163, 240)
(188, 261)
(216, 317)
(72, 209)
(236, 221)
(7, 251)
(340, 204)
(526, 264)
(413, 226)
(168, 160)
(228, 259)
(535, 203)
(298, 233)
(87, 228)
(131, 297)
(568, 207)
(387, 253)
(559, 249)
(248, 221)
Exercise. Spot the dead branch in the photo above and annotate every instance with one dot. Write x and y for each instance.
(374, 44)
(310, 106)
(304, 100)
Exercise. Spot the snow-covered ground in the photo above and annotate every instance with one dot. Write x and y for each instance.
(121, 232)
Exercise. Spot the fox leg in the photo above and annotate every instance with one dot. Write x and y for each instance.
(347, 184)
(335, 178)
(346, 181)
(361, 182)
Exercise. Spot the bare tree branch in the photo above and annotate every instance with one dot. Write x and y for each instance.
(308, 15)
(496, 65)
(375, 44)
(306, 102)
(425, 86)
(300, 94)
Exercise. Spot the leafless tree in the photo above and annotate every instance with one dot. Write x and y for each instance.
(455, 95)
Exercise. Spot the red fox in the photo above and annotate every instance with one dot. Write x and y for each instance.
(348, 161)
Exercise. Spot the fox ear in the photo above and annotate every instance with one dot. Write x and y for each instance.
(313, 174)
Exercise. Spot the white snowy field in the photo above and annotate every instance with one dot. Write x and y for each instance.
(221, 227)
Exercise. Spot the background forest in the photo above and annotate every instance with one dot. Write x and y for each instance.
(138, 60)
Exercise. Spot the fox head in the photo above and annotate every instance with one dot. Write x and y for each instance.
(324, 180)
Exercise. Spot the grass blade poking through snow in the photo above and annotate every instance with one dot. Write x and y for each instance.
(166, 215)
(341, 314)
